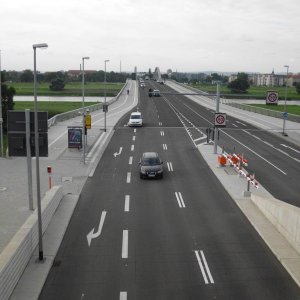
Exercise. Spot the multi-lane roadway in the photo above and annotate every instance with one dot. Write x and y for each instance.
(181, 237)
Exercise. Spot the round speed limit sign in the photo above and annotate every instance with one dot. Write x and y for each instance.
(220, 120)
(272, 98)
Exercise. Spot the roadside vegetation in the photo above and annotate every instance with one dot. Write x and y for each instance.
(70, 89)
(291, 109)
(52, 107)
(253, 92)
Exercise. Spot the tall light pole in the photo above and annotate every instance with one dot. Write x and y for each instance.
(83, 110)
(105, 108)
(37, 153)
(285, 96)
(1, 116)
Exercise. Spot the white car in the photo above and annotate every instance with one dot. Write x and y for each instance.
(156, 93)
(135, 119)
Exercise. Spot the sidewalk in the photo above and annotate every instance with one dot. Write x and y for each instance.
(69, 172)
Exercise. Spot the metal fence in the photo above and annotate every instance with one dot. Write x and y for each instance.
(78, 112)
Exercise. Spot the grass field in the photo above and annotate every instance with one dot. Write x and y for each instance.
(291, 109)
(71, 89)
(53, 108)
(253, 92)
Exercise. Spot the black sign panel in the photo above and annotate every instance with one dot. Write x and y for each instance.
(16, 126)
(16, 121)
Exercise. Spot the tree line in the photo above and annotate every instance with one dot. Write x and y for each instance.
(97, 76)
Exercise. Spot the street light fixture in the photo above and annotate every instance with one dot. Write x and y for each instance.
(83, 110)
(105, 108)
(37, 153)
(285, 96)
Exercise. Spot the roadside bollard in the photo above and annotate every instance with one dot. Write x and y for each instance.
(49, 170)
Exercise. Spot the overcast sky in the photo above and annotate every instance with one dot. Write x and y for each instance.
(182, 35)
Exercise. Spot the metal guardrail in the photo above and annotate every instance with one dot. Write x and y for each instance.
(78, 112)
(264, 111)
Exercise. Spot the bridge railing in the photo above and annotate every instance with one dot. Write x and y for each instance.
(78, 112)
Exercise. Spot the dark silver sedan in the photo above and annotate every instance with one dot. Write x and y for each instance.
(151, 166)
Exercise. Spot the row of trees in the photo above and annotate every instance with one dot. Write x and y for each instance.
(7, 100)
(59, 79)
(97, 76)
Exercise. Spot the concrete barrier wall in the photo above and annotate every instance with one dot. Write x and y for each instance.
(285, 217)
(17, 253)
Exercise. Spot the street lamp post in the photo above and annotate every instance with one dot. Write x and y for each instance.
(36, 145)
(285, 96)
(217, 110)
(83, 110)
(105, 108)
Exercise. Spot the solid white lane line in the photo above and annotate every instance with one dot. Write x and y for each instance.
(130, 160)
(254, 152)
(206, 267)
(133, 138)
(128, 177)
(285, 146)
(201, 268)
(127, 203)
(241, 123)
(123, 295)
(132, 147)
(272, 146)
(125, 244)
(179, 199)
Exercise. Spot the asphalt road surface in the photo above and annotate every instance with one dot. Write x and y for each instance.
(181, 237)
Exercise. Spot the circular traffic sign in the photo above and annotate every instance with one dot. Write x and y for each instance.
(220, 119)
(272, 97)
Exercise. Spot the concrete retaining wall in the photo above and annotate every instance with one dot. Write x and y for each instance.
(285, 217)
(18, 252)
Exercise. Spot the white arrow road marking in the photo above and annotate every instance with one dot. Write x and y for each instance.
(179, 199)
(123, 295)
(125, 244)
(127, 202)
(91, 235)
(118, 153)
(204, 267)
(283, 145)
